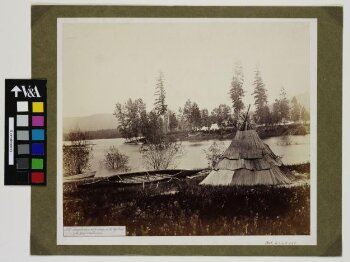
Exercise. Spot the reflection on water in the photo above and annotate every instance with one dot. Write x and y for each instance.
(297, 150)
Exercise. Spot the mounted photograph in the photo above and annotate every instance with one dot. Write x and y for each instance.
(186, 131)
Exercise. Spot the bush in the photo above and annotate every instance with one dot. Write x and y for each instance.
(115, 160)
(77, 154)
(214, 153)
(285, 141)
(162, 154)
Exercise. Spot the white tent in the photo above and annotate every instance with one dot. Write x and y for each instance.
(214, 127)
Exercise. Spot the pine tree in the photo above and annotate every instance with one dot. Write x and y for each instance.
(236, 91)
(159, 104)
(260, 97)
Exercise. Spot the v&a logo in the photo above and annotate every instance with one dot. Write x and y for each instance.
(27, 91)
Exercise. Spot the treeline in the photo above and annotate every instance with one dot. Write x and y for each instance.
(97, 134)
(135, 121)
(103, 134)
(280, 111)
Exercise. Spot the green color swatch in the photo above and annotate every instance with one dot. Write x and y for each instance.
(37, 163)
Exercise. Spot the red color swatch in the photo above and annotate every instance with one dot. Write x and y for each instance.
(38, 177)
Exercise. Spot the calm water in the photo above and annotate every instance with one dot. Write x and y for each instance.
(294, 150)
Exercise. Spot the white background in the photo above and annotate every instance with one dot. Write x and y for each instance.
(15, 62)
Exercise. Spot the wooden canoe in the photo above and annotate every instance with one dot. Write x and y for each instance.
(80, 176)
(140, 178)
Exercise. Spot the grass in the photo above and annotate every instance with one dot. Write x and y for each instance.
(182, 207)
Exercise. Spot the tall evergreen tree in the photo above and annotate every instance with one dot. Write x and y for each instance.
(284, 105)
(159, 104)
(236, 90)
(260, 98)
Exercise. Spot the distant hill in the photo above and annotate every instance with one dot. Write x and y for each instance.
(90, 123)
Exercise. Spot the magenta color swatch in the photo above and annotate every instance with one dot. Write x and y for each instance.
(37, 120)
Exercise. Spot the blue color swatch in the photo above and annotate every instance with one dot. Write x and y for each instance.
(38, 149)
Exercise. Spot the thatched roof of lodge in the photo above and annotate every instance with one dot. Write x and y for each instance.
(247, 161)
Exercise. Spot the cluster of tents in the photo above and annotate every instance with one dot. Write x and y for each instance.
(213, 127)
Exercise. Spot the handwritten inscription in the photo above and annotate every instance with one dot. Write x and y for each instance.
(112, 231)
(280, 243)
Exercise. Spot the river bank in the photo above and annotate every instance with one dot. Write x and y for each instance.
(229, 132)
(221, 134)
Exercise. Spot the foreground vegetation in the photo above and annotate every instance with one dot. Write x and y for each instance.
(182, 207)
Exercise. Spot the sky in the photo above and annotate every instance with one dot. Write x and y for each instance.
(106, 63)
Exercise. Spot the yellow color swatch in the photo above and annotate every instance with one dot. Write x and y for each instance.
(38, 107)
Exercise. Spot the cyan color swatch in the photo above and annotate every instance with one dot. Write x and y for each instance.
(38, 134)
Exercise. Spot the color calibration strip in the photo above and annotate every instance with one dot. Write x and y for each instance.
(25, 132)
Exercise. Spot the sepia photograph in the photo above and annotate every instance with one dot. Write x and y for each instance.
(187, 127)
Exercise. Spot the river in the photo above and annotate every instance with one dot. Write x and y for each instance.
(293, 150)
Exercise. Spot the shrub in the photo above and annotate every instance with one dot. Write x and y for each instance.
(162, 154)
(285, 141)
(77, 154)
(214, 153)
(115, 160)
